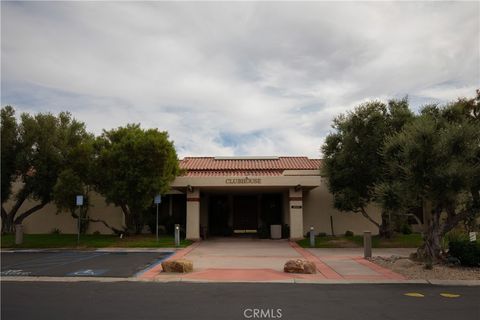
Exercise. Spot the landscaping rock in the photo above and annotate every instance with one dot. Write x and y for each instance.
(300, 266)
(179, 266)
(404, 263)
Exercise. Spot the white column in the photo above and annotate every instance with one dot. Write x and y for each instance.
(193, 214)
(296, 214)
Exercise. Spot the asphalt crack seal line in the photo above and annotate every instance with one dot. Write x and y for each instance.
(449, 295)
(414, 294)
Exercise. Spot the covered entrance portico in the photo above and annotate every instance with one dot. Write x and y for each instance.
(246, 196)
(224, 212)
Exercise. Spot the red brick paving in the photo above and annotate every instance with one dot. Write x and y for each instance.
(325, 270)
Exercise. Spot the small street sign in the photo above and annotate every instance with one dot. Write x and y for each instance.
(473, 236)
(158, 199)
(80, 200)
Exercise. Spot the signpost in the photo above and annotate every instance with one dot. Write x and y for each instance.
(157, 200)
(79, 203)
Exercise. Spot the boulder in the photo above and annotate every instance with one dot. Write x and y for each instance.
(299, 266)
(404, 263)
(180, 265)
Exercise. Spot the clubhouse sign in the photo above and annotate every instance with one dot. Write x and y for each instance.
(243, 181)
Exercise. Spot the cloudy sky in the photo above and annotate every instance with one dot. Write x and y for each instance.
(234, 78)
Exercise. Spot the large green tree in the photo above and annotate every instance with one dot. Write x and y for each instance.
(36, 151)
(9, 152)
(353, 164)
(78, 179)
(436, 162)
(132, 166)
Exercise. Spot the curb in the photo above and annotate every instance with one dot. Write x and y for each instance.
(454, 282)
(292, 281)
(114, 249)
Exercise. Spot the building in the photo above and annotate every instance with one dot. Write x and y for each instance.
(223, 196)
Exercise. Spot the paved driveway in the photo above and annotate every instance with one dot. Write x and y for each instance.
(249, 259)
(248, 253)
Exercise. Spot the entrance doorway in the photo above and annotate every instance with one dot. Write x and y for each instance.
(245, 214)
(219, 215)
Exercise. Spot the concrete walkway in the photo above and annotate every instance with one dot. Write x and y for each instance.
(246, 259)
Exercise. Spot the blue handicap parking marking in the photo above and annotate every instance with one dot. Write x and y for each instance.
(88, 272)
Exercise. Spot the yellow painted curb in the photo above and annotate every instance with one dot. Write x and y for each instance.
(414, 294)
(449, 295)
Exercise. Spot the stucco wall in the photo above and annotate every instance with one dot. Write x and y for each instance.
(318, 207)
(47, 219)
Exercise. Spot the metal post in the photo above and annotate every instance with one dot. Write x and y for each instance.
(177, 235)
(312, 237)
(157, 222)
(367, 244)
(331, 226)
(157, 200)
(79, 203)
(78, 225)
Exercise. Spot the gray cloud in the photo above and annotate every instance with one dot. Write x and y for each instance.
(234, 78)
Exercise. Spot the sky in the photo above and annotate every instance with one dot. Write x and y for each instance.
(237, 78)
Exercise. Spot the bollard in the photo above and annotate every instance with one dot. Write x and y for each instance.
(312, 237)
(367, 244)
(177, 235)
(18, 234)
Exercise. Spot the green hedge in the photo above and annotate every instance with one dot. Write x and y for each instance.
(466, 251)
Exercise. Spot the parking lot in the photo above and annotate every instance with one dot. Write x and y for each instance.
(78, 263)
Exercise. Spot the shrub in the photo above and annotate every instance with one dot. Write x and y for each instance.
(55, 231)
(96, 233)
(349, 233)
(322, 234)
(466, 251)
(453, 236)
(406, 229)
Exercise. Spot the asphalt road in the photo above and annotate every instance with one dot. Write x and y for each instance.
(142, 300)
(77, 263)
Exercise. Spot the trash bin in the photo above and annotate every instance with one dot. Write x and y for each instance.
(276, 231)
(18, 234)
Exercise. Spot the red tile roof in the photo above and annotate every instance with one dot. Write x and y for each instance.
(210, 166)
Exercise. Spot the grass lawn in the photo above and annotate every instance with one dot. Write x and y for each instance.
(413, 240)
(89, 241)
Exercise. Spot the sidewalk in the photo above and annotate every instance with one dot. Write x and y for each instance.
(237, 259)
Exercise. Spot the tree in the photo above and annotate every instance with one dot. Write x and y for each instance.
(436, 162)
(353, 164)
(42, 148)
(77, 179)
(132, 166)
(9, 152)
(68, 186)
